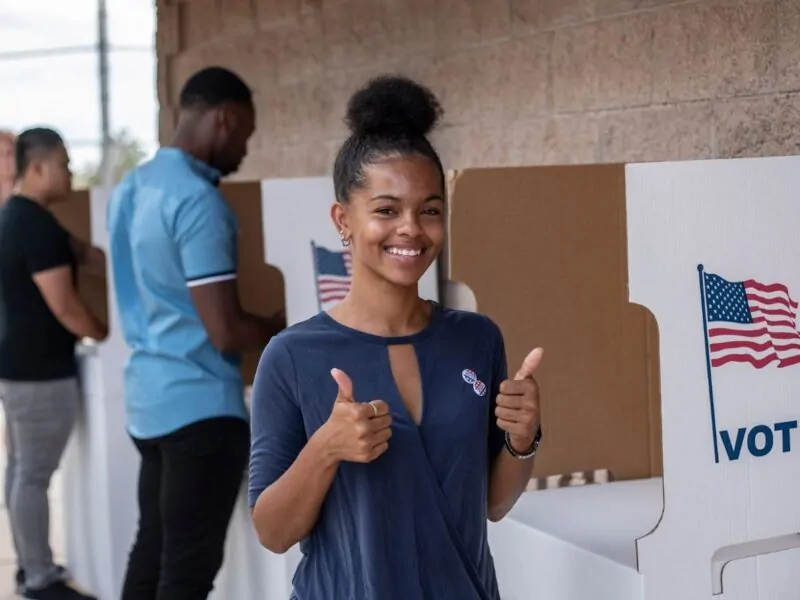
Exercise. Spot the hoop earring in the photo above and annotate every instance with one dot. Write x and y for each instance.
(345, 241)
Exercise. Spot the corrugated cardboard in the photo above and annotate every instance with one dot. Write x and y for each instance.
(544, 252)
(74, 214)
(261, 289)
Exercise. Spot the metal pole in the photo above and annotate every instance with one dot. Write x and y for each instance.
(105, 126)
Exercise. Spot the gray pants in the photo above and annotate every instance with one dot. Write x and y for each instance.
(39, 419)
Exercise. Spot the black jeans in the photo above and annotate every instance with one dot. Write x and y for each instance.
(188, 485)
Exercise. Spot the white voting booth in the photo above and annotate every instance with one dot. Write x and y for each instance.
(710, 250)
(100, 463)
(713, 254)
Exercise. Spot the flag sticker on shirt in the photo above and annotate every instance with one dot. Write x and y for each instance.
(469, 376)
(333, 272)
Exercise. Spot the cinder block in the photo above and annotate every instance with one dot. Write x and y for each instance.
(787, 61)
(199, 22)
(181, 68)
(299, 48)
(168, 38)
(411, 27)
(270, 12)
(480, 143)
(237, 15)
(472, 84)
(604, 64)
(680, 132)
(166, 123)
(764, 126)
(536, 15)
(715, 49)
(463, 23)
(564, 139)
(605, 8)
(355, 35)
(530, 81)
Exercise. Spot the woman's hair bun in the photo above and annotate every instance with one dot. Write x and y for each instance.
(393, 105)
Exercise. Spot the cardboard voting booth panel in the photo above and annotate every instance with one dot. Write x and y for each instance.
(543, 250)
(712, 253)
(75, 215)
(261, 287)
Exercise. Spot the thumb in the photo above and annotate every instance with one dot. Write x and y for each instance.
(345, 386)
(530, 364)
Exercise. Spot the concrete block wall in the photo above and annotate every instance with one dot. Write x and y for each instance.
(521, 81)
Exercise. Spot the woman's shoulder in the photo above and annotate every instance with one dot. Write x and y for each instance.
(468, 322)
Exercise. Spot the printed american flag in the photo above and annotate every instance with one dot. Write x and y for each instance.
(751, 322)
(333, 275)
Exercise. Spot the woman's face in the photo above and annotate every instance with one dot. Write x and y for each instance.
(396, 223)
(8, 169)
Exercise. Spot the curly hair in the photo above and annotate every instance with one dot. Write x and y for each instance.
(390, 115)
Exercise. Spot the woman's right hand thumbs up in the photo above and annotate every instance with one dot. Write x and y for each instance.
(357, 431)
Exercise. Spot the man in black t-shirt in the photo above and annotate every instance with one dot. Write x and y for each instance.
(41, 317)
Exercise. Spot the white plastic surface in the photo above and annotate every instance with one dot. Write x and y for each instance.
(738, 219)
(101, 463)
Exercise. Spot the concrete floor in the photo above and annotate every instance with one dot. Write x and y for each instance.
(7, 559)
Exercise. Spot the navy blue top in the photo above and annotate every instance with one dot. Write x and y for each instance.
(413, 523)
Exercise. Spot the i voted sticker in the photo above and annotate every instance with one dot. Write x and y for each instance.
(469, 376)
(479, 387)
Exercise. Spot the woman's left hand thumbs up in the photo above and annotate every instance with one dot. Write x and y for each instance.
(517, 409)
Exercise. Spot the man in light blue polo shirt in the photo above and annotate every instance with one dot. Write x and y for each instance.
(173, 241)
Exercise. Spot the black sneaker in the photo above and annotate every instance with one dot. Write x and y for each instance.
(57, 591)
(20, 581)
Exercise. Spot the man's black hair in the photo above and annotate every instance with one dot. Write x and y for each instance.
(213, 86)
(35, 142)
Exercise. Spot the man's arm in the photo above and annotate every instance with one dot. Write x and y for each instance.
(229, 327)
(48, 257)
(206, 236)
(66, 305)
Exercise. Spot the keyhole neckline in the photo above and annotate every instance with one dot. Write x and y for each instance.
(386, 340)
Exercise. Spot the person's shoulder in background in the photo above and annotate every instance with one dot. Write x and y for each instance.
(22, 221)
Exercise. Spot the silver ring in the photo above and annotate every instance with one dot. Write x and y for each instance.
(374, 408)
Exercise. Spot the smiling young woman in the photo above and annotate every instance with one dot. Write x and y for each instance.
(379, 427)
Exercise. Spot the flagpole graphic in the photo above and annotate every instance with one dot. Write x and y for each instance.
(316, 273)
(704, 307)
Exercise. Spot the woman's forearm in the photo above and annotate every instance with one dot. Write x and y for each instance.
(287, 510)
(508, 479)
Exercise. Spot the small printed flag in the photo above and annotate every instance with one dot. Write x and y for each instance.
(333, 272)
(750, 322)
